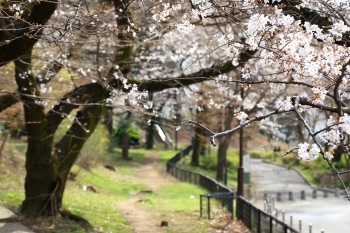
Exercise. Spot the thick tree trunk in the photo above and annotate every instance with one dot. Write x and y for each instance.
(47, 169)
(69, 147)
(150, 128)
(223, 146)
(125, 145)
(108, 120)
(25, 38)
(197, 147)
(222, 158)
(150, 135)
(40, 181)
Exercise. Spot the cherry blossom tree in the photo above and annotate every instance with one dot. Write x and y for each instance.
(300, 44)
(135, 47)
(49, 43)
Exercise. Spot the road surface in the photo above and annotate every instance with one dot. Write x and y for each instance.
(332, 214)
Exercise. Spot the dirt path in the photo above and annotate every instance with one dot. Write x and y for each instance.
(152, 175)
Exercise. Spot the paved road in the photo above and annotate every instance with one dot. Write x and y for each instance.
(331, 214)
(270, 179)
(8, 223)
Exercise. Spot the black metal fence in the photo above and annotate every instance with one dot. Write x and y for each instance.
(258, 221)
(173, 161)
(223, 200)
(255, 219)
(217, 190)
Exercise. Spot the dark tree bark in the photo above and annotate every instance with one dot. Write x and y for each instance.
(223, 146)
(150, 134)
(125, 145)
(39, 166)
(108, 120)
(150, 127)
(24, 39)
(197, 142)
(197, 146)
(222, 158)
(47, 164)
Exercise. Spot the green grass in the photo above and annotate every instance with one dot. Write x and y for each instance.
(112, 187)
(208, 165)
(180, 202)
(100, 208)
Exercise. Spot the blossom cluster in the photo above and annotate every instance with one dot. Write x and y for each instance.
(308, 152)
(338, 126)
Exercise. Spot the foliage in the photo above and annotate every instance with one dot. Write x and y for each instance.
(259, 153)
(208, 163)
(96, 147)
(134, 135)
(288, 60)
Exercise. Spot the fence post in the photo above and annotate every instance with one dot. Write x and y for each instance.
(302, 195)
(291, 221)
(290, 196)
(250, 216)
(283, 213)
(259, 221)
(314, 193)
(200, 205)
(336, 193)
(279, 196)
(238, 209)
(231, 204)
(271, 227)
(208, 206)
(310, 228)
(299, 226)
(273, 202)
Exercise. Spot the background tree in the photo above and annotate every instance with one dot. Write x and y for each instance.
(168, 45)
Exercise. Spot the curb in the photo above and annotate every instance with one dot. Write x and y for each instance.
(9, 219)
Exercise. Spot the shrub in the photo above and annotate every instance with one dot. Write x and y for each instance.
(208, 162)
(318, 175)
(261, 154)
(290, 160)
(134, 135)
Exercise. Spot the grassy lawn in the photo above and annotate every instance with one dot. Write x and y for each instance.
(179, 199)
(178, 203)
(208, 165)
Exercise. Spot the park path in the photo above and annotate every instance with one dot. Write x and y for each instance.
(9, 222)
(332, 214)
(270, 179)
(140, 219)
(153, 175)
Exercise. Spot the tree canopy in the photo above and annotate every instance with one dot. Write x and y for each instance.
(72, 59)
